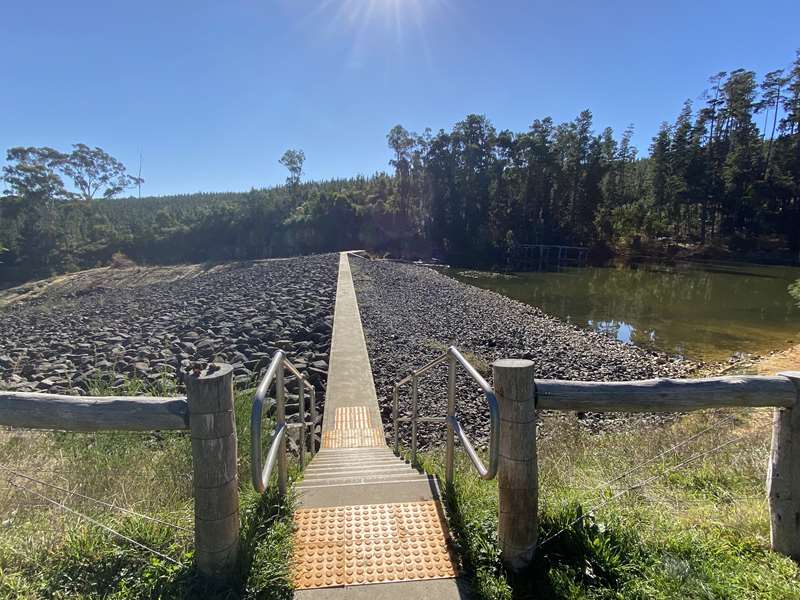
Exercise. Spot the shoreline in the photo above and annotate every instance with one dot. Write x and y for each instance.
(711, 359)
(787, 359)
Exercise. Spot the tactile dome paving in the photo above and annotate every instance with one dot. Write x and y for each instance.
(374, 543)
(353, 428)
(352, 417)
(353, 438)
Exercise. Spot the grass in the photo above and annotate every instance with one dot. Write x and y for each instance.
(481, 364)
(697, 531)
(47, 552)
(794, 290)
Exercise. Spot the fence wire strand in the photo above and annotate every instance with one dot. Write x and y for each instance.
(652, 459)
(113, 532)
(639, 485)
(84, 496)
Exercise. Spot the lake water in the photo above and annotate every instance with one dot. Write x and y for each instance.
(701, 311)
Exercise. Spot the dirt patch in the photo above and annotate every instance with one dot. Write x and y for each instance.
(72, 284)
(786, 360)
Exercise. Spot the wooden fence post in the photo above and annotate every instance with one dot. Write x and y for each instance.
(517, 469)
(783, 478)
(216, 486)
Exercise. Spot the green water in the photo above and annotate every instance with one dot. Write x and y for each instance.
(701, 311)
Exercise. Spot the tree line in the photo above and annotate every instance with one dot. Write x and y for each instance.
(712, 175)
(725, 172)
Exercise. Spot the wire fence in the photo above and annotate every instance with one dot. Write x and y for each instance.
(613, 492)
(51, 480)
(97, 523)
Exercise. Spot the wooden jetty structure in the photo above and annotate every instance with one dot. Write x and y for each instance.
(540, 257)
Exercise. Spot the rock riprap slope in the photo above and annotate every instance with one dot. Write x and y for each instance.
(240, 314)
(411, 314)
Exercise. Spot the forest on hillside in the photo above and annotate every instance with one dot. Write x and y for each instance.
(725, 172)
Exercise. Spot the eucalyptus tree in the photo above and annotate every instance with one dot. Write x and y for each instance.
(402, 142)
(790, 124)
(293, 160)
(31, 174)
(95, 173)
(37, 172)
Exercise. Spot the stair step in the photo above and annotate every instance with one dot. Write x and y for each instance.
(361, 474)
(362, 479)
(347, 460)
(365, 449)
(339, 454)
(367, 471)
(344, 461)
(354, 467)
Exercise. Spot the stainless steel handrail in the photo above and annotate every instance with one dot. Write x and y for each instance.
(277, 451)
(453, 358)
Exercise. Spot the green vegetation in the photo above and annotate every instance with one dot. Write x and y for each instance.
(794, 290)
(696, 531)
(47, 552)
(471, 194)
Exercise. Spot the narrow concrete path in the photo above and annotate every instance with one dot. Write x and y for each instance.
(368, 524)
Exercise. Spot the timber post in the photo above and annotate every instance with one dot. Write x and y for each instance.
(783, 478)
(212, 424)
(517, 472)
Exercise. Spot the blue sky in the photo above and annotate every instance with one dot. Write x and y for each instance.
(212, 93)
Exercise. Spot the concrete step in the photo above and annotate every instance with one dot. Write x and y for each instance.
(363, 454)
(414, 490)
(355, 453)
(360, 464)
(323, 464)
(369, 464)
(407, 590)
(345, 472)
(370, 478)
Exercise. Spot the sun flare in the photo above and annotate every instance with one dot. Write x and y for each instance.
(401, 19)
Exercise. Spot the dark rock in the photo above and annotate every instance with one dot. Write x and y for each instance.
(55, 342)
(411, 314)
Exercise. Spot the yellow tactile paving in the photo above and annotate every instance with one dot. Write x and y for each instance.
(353, 438)
(376, 543)
(352, 417)
(353, 428)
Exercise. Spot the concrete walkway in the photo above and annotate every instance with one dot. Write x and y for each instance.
(368, 525)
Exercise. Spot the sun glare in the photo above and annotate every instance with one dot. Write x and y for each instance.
(357, 11)
(402, 20)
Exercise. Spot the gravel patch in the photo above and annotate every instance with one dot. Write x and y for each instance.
(412, 313)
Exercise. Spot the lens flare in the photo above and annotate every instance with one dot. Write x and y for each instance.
(368, 22)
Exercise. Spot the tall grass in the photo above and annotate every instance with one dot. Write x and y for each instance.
(48, 552)
(699, 530)
(696, 531)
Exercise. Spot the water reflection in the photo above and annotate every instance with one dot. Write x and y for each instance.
(618, 329)
(699, 310)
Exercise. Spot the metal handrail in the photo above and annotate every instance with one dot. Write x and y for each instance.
(453, 358)
(277, 451)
